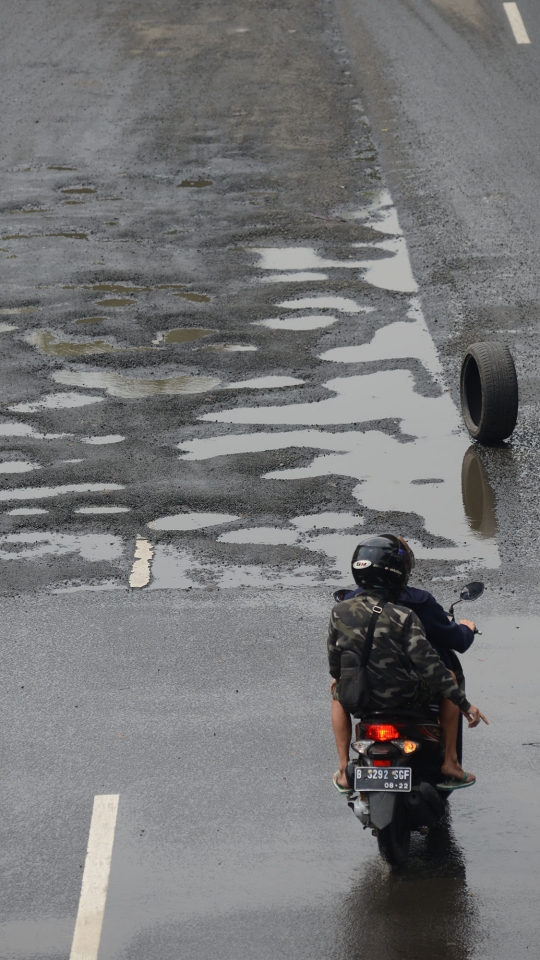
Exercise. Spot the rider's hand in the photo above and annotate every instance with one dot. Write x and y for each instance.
(469, 624)
(333, 685)
(474, 716)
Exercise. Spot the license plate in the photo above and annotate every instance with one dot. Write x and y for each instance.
(395, 779)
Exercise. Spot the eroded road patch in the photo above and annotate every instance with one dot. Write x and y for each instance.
(262, 355)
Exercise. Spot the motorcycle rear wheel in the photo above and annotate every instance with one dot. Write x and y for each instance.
(394, 840)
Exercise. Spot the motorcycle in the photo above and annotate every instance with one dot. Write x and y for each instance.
(394, 778)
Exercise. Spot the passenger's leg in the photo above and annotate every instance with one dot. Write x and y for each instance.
(449, 718)
(341, 725)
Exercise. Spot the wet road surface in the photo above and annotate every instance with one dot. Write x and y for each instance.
(229, 841)
(243, 250)
(217, 365)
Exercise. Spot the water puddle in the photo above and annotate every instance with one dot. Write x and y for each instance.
(15, 311)
(132, 388)
(93, 547)
(478, 495)
(264, 383)
(116, 288)
(69, 235)
(299, 258)
(91, 320)
(7, 327)
(61, 168)
(18, 466)
(381, 215)
(231, 348)
(269, 536)
(41, 493)
(15, 213)
(295, 277)
(388, 394)
(102, 510)
(102, 441)
(25, 430)
(195, 183)
(174, 569)
(387, 469)
(191, 521)
(73, 203)
(56, 401)
(401, 340)
(25, 512)
(116, 302)
(78, 190)
(140, 571)
(341, 304)
(47, 342)
(317, 322)
(194, 297)
(390, 273)
(182, 335)
(393, 272)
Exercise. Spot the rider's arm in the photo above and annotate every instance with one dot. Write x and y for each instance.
(443, 632)
(429, 665)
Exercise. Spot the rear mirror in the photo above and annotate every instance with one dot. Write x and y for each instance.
(471, 591)
(340, 595)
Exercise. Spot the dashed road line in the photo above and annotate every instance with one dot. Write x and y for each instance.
(95, 879)
(141, 571)
(516, 22)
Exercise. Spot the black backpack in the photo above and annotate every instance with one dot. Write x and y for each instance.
(354, 689)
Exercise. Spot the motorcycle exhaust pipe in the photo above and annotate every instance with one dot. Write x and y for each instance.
(360, 808)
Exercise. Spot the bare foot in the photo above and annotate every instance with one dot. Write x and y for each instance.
(451, 768)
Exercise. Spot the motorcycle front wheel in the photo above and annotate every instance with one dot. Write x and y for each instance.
(394, 840)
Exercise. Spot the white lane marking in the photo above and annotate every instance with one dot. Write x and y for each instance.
(140, 571)
(516, 22)
(95, 879)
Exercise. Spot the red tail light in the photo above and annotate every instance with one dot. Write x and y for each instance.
(382, 763)
(381, 731)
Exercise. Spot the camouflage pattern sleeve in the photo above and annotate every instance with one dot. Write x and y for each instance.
(429, 665)
(334, 653)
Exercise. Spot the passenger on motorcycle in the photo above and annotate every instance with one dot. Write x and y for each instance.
(404, 670)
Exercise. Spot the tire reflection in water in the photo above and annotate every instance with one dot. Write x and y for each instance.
(421, 913)
(478, 496)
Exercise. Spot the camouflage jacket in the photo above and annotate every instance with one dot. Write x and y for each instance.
(400, 655)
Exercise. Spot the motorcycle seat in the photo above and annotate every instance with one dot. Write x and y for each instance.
(387, 716)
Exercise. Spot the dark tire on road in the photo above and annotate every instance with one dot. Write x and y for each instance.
(394, 840)
(489, 391)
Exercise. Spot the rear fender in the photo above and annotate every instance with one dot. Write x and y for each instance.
(381, 809)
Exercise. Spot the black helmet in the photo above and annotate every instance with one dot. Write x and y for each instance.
(384, 561)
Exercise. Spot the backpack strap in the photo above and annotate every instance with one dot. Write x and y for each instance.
(366, 653)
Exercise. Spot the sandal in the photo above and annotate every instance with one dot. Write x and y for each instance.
(343, 790)
(452, 783)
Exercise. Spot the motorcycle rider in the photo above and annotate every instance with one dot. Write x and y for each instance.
(443, 634)
(404, 669)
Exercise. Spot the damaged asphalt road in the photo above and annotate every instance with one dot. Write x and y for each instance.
(195, 227)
